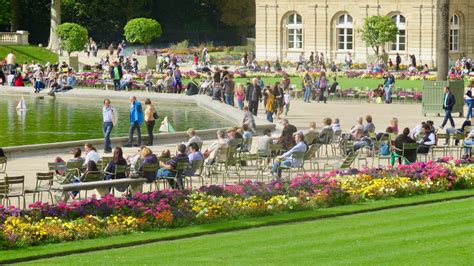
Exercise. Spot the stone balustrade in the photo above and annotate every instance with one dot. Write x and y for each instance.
(20, 37)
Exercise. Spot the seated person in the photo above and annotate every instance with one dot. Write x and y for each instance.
(76, 158)
(168, 169)
(427, 141)
(194, 154)
(249, 119)
(193, 138)
(211, 152)
(232, 139)
(246, 139)
(286, 138)
(399, 141)
(147, 157)
(468, 144)
(126, 80)
(206, 85)
(357, 131)
(264, 143)
(312, 134)
(326, 134)
(134, 160)
(453, 131)
(192, 88)
(336, 126)
(287, 159)
(117, 159)
(385, 134)
(91, 154)
(369, 127)
(90, 167)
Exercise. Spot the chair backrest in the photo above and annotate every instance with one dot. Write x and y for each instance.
(181, 166)
(3, 188)
(150, 168)
(222, 155)
(103, 162)
(74, 165)
(410, 146)
(298, 155)
(349, 160)
(164, 158)
(44, 178)
(310, 137)
(92, 176)
(3, 164)
(56, 166)
(121, 169)
(275, 147)
(197, 165)
(310, 152)
(16, 183)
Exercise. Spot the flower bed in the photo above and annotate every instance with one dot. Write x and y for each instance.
(90, 218)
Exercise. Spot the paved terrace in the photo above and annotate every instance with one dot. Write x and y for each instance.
(28, 163)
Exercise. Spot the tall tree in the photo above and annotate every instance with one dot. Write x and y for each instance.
(240, 14)
(53, 44)
(15, 17)
(442, 45)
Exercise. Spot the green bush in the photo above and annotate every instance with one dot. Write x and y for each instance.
(142, 30)
(72, 37)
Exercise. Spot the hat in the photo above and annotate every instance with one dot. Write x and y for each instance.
(230, 129)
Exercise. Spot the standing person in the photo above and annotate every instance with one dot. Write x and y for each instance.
(228, 88)
(308, 85)
(323, 84)
(136, 120)
(389, 81)
(254, 94)
(249, 120)
(398, 61)
(177, 82)
(10, 60)
(300, 61)
(150, 116)
(469, 98)
(270, 105)
(348, 60)
(448, 103)
(111, 48)
(287, 100)
(204, 56)
(240, 95)
(278, 93)
(109, 120)
(116, 74)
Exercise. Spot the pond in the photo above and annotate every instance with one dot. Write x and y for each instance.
(55, 120)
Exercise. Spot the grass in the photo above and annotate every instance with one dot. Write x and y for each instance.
(223, 226)
(28, 53)
(440, 233)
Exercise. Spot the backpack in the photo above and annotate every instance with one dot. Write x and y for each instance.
(384, 149)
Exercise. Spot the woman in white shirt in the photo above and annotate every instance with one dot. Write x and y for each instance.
(357, 131)
(91, 154)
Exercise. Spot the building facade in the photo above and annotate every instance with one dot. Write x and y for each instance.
(285, 28)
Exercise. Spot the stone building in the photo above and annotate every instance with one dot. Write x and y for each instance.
(285, 28)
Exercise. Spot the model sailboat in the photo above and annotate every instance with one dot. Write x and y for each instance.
(21, 104)
(166, 126)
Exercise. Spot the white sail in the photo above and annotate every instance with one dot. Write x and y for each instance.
(166, 126)
(21, 104)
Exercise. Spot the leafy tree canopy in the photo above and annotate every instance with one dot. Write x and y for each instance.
(377, 31)
(73, 37)
(142, 30)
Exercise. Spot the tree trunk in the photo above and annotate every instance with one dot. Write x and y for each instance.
(15, 11)
(442, 45)
(53, 44)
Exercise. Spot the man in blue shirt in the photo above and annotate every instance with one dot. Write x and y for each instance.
(448, 104)
(287, 159)
(136, 120)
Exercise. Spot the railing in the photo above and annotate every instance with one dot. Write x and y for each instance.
(19, 37)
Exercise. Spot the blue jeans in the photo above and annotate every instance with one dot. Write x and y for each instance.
(107, 129)
(470, 105)
(229, 99)
(123, 84)
(468, 142)
(448, 116)
(240, 103)
(162, 172)
(307, 94)
(270, 116)
(276, 166)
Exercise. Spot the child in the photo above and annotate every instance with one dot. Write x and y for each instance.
(286, 101)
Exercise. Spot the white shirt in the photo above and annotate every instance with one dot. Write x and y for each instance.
(431, 141)
(108, 114)
(10, 59)
(91, 156)
(286, 98)
(194, 139)
(127, 77)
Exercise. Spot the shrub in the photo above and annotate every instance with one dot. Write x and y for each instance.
(142, 30)
(73, 37)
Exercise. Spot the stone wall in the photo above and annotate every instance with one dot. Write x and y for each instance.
(14, 38)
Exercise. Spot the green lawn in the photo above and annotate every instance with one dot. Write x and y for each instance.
(27, 53)
(49, 250)
(434, 234)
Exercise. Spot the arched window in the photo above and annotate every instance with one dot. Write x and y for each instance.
(294, 27)
(400, 41)
(454, 28)
(345, 33)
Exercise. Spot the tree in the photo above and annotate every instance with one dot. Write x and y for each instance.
(377, 31)
(53, 44)
(239, 14)
(142, 30)
(442, 46)
(73, 37)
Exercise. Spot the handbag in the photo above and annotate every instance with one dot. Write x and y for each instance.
(155, 115)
